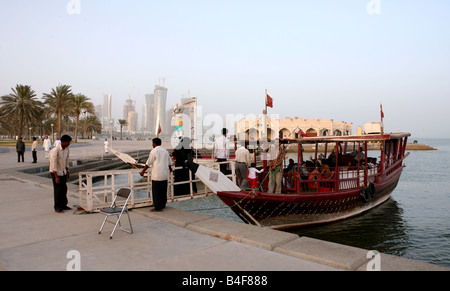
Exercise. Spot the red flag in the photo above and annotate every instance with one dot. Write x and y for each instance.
(159, 130)
(269, 101)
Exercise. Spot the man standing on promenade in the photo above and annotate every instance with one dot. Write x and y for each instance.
(46, 145)
(20, 149)
(160, 163)
(34, 150)
(106, 145)
(222, 150)
(59, 169)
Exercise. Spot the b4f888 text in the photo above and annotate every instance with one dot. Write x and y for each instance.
(247, 280)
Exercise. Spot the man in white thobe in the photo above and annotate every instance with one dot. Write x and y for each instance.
(222, 150)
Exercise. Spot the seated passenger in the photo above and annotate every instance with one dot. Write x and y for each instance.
(326, 173)
(290, 167)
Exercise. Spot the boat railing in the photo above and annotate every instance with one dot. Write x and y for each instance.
(349, 177)
(313, 181)
(392, 164)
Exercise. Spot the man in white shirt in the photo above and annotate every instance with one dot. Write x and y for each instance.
(222, 150)
(57, 142)
(160, 163)
(46, 146)
(242, 163)
(106, 144)
(34, 150)
(59, 170)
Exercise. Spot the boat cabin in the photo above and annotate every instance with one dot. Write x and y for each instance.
(338, 163)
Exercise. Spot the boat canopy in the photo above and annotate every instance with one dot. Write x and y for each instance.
(355, 138)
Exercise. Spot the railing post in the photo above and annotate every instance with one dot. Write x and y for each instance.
(233, 171)
(191, 189)
(89, 194)
(80, 188)
(365, 164)
(131, 184)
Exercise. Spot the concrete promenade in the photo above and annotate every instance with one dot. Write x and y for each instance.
(33, 237)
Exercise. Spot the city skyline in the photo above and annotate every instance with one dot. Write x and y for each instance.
(318, 59)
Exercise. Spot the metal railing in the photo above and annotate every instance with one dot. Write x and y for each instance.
(97, 188)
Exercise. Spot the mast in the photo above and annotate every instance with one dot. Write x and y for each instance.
(383, 141)
(264, 120)
(263, 136)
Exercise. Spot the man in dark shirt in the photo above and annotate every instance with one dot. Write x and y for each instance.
(20, 149)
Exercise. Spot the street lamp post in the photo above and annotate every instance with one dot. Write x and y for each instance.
(52, 132)
(111, 126)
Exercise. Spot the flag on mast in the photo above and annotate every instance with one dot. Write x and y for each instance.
(269, 101)
(159, 130)
(382, 117)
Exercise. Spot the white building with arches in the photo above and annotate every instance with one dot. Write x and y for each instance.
(289, 128)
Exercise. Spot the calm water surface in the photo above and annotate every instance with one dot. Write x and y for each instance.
(414, 223)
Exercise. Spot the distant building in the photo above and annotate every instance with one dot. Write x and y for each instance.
(372, 127)
(289, 128)
(99, 112)
(132, 121)
(107, 120)
(127, 109)
(154, 113)
(147, 113)
(160, 96)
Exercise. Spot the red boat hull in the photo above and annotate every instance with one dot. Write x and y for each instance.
(281, 211)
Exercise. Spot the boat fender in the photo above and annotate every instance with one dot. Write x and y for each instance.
(372, 190)
(364, 194)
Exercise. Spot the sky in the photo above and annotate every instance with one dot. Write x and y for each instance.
(318, 59)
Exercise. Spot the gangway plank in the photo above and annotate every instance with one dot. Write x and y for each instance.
(212, 178)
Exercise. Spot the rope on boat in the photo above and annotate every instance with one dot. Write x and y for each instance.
(271, 175)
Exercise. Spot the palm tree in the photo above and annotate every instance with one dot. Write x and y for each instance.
(81, 103)
(122, 123)
(59, 101)
(40, 121)
(20, 107)
(92, 124)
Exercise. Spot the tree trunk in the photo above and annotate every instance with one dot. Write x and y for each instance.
(76, 128)
(59, 123)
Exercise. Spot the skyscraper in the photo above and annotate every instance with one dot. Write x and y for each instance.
(107, 100)
(107, 120)
(132, 122)
(148, 113)
(128, 107)
(160, 96)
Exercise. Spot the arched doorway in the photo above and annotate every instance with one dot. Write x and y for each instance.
(324, 132)
(252, 134)
(285, 133)
(311, 132)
